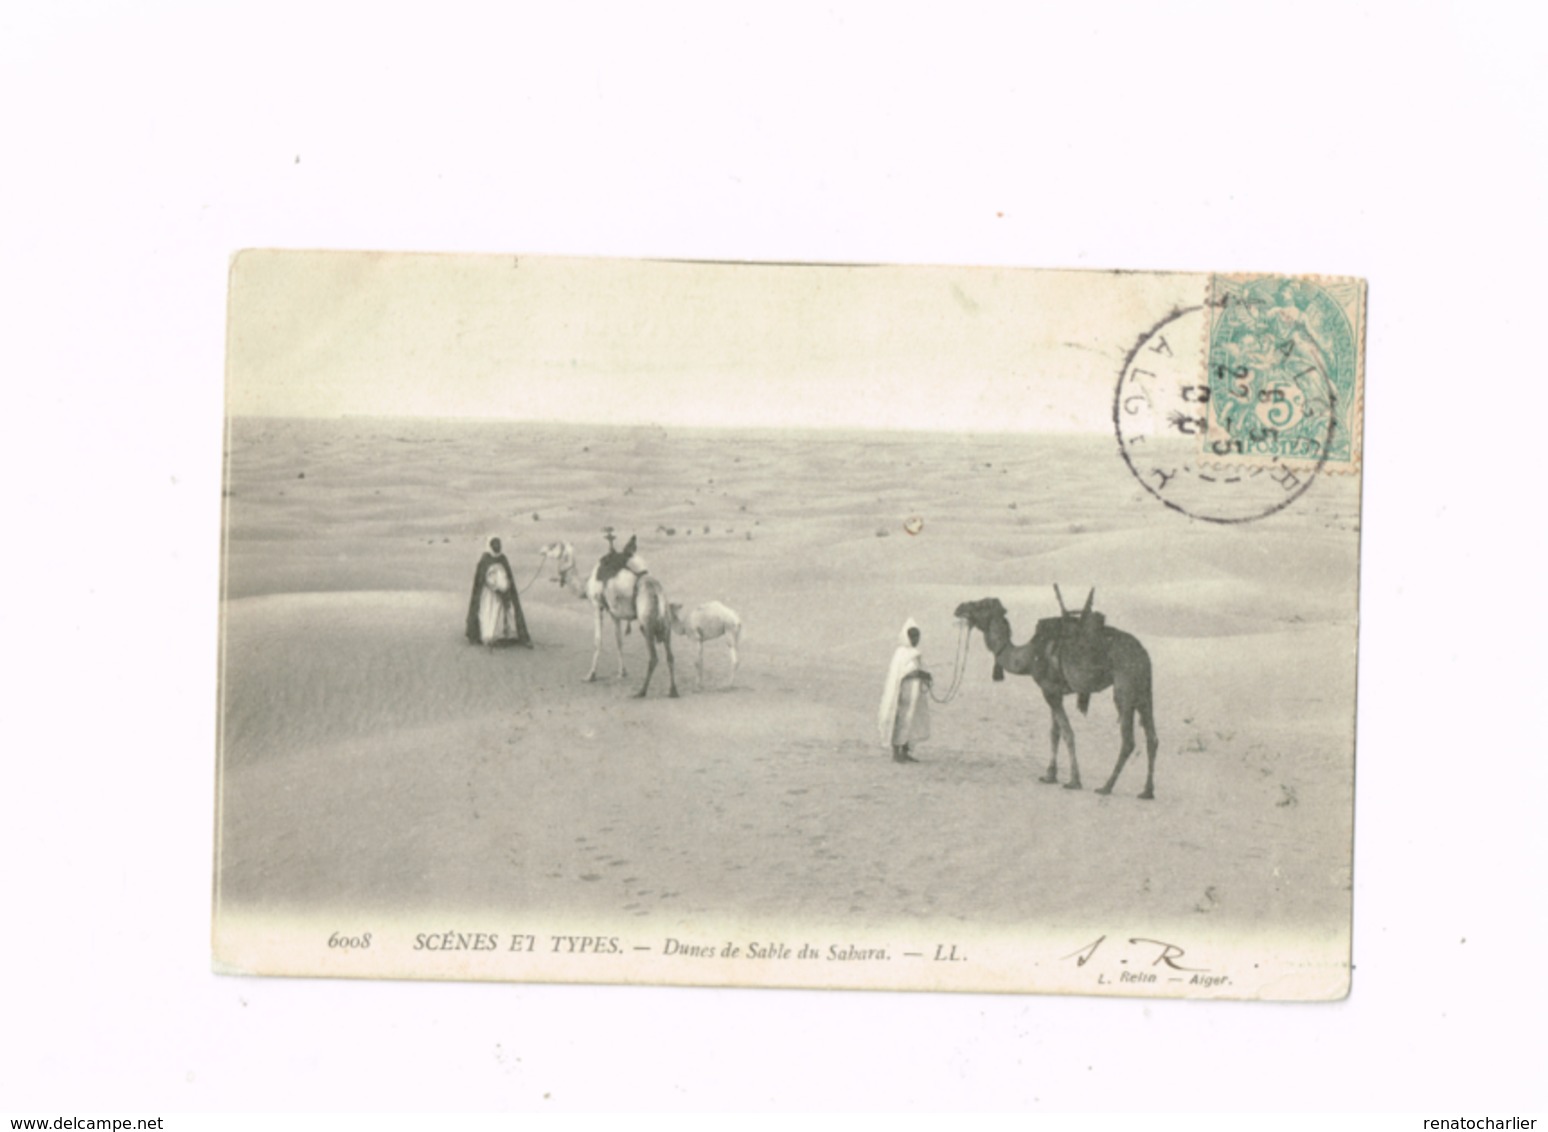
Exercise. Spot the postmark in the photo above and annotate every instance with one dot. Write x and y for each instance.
(1161, 416)
(1228, 411)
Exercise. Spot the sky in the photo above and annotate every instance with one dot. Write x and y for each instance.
(603, 341)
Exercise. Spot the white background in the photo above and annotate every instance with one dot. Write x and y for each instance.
(140, 144)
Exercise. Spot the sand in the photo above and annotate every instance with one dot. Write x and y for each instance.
(372, 759)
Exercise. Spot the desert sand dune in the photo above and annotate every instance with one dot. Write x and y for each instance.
(373, 759)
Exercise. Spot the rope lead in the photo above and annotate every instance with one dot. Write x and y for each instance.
(958, 668)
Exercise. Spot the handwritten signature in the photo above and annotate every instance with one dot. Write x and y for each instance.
(1157, 950)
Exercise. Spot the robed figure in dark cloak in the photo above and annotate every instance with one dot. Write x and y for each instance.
(494, 609)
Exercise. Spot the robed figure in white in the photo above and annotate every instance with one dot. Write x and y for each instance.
(904, 718)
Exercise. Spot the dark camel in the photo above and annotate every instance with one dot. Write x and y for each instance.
(1079, 654)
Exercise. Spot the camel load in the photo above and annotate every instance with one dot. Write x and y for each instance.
(1078, 640)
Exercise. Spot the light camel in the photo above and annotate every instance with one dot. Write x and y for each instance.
(708, 622)
(563, 556)
(628, 596)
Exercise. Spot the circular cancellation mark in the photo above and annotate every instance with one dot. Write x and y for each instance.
(1162, 415)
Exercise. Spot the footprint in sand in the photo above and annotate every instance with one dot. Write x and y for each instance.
(591, 876)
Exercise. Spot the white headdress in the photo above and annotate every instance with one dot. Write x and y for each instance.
(905, 659)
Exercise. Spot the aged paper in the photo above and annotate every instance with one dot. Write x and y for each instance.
(1118, 511)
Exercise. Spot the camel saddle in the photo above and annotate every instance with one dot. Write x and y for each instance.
(1075, 640)
(614, 561)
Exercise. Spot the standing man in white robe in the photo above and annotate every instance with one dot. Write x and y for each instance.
(905, 705)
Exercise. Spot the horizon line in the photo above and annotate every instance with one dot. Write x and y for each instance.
(740, 427)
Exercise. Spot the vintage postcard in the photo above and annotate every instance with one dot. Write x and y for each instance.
(789, 625)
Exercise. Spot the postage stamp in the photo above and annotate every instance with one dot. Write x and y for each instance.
(1286, 384)
(476, 508)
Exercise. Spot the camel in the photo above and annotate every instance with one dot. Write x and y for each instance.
(1080, 654)
(563, 555)
(628, 596)
(705, 623)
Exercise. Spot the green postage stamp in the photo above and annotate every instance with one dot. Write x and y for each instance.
(1284, 363)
